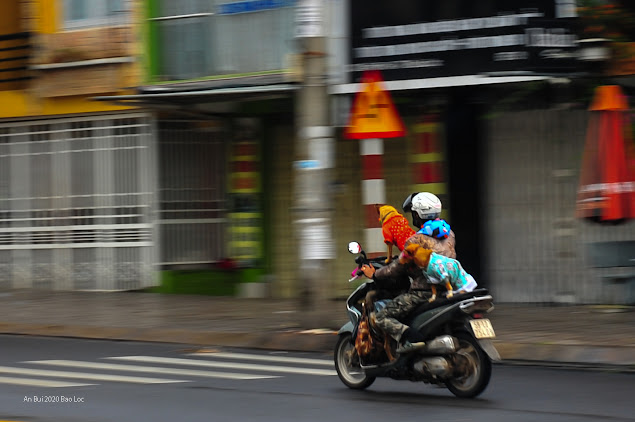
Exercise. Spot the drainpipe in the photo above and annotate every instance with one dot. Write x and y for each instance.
(314, 157)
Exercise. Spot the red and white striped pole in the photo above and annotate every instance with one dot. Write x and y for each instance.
(373, 192)
(373, 118)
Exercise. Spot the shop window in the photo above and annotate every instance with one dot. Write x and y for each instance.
(184, 37)
(196, 38)
(93, 13)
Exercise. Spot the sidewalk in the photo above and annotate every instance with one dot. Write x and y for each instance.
(581, 335)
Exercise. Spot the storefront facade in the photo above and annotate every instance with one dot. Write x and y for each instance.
(505, 93)
(186, 184)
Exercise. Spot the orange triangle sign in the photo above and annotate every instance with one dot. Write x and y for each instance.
(374, 115)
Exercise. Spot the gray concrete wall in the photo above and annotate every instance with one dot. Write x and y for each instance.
(537, 248)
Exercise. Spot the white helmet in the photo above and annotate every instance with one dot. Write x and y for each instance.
(426, 205)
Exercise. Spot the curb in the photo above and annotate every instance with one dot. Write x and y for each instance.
(281, 340)
(588, 355)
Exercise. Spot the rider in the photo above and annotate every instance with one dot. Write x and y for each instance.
(425, 208)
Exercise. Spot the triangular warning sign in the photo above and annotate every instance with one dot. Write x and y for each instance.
(373, 114)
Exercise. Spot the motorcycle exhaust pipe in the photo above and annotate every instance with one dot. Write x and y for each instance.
(435, 365)
(442, 345)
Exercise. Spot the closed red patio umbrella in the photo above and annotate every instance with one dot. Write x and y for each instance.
(606, 191)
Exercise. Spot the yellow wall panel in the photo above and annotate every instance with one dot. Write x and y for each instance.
(19, 104)
(9, 10)
(48, 16)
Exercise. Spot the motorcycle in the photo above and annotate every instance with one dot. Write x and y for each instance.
(458, 350)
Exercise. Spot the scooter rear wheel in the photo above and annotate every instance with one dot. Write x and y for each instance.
(347, 364)
(477, 368)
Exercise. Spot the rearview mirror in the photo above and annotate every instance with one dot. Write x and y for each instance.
(354, 247)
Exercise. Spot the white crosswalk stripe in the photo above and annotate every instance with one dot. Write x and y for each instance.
(232, 365)
(266, 358)
(84, 375)
(34, 382)
(153, 369)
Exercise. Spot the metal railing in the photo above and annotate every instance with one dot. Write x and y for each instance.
(76, 199)
(192, 212)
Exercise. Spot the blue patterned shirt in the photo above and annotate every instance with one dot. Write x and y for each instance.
(442, 269)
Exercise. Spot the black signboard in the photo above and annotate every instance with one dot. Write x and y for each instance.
(418, 41)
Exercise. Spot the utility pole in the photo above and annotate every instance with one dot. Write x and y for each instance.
(314, 159)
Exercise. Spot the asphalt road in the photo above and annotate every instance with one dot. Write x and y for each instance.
(46, 379)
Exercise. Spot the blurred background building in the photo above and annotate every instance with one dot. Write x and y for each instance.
(75, 182)
(156, 144)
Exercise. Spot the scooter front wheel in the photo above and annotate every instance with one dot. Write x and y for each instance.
(347, 364)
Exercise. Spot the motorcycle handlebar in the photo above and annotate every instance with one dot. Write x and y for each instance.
(377, 262)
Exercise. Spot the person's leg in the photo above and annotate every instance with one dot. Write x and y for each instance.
(388, 319)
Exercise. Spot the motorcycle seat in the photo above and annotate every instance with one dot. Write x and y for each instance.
(443, 301)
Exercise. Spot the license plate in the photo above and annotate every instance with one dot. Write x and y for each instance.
(482, 328)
